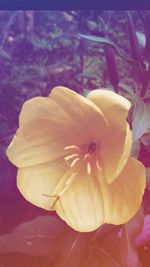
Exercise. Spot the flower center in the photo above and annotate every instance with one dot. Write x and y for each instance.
(85, 155)
(91, 148)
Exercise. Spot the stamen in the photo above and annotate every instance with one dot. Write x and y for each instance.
(71, 156)
(98, 165)
(86, 156)
(74, 162)
(71, 146)
(88, 168)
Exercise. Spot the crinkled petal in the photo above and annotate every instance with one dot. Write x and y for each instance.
(47, 124)
(117, 142)
(36, 182)
(90, 201)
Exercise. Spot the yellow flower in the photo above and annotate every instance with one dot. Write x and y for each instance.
(72, 154)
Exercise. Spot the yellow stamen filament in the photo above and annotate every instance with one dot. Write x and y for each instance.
(98, 166)
(70, 147)
(89, 170)
(71, 156)
(74, 162)
(86, 156)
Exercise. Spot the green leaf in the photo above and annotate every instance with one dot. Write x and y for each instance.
(144, 237)
(134, 44)
(85, 92)
(148, 178)
(109, 246)
(146, 140)
(74, 249)
(141, 39)
(134, 227)
(107, 41)
(127, 91)
(136, 146)
(36, 237)
(140, 119)
(98, 39)
(4, 54)
(116, 247)
(129, 233)
(112, 67)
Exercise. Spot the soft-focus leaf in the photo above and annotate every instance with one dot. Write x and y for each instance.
(134, 226)
(115, 247)
(127, 91)
(7, 173)
(112, 67)
(99, 39)
(129, 233)
(141, 38)
(109, 246)
(144, 236)
(73, 249)
(36, 237)
(145, 19)
(106, 254)
(4, 54)
(147, 46)
(48, 236)
(107, 41)
(136, 149)
(140, 119)
(126, 88)
(92, 25)
(148, 178)
(146, 140)
(134, 45)
(145, 81)
(85, 92)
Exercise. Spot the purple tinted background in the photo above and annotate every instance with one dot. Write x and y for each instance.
(39, 50)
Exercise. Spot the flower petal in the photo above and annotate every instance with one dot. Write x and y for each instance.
(90, 201)
(114, 106)
(117, 142)
(125, 193)
(88, 120)
(31, 146)
(115, 151)
(38, 181)
(46, 125)
(81, 206)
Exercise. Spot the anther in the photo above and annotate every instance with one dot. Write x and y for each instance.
(98, 165)
(71, 156)
(74, 162)
(70, 147)
(88, 168)
(86, 156)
